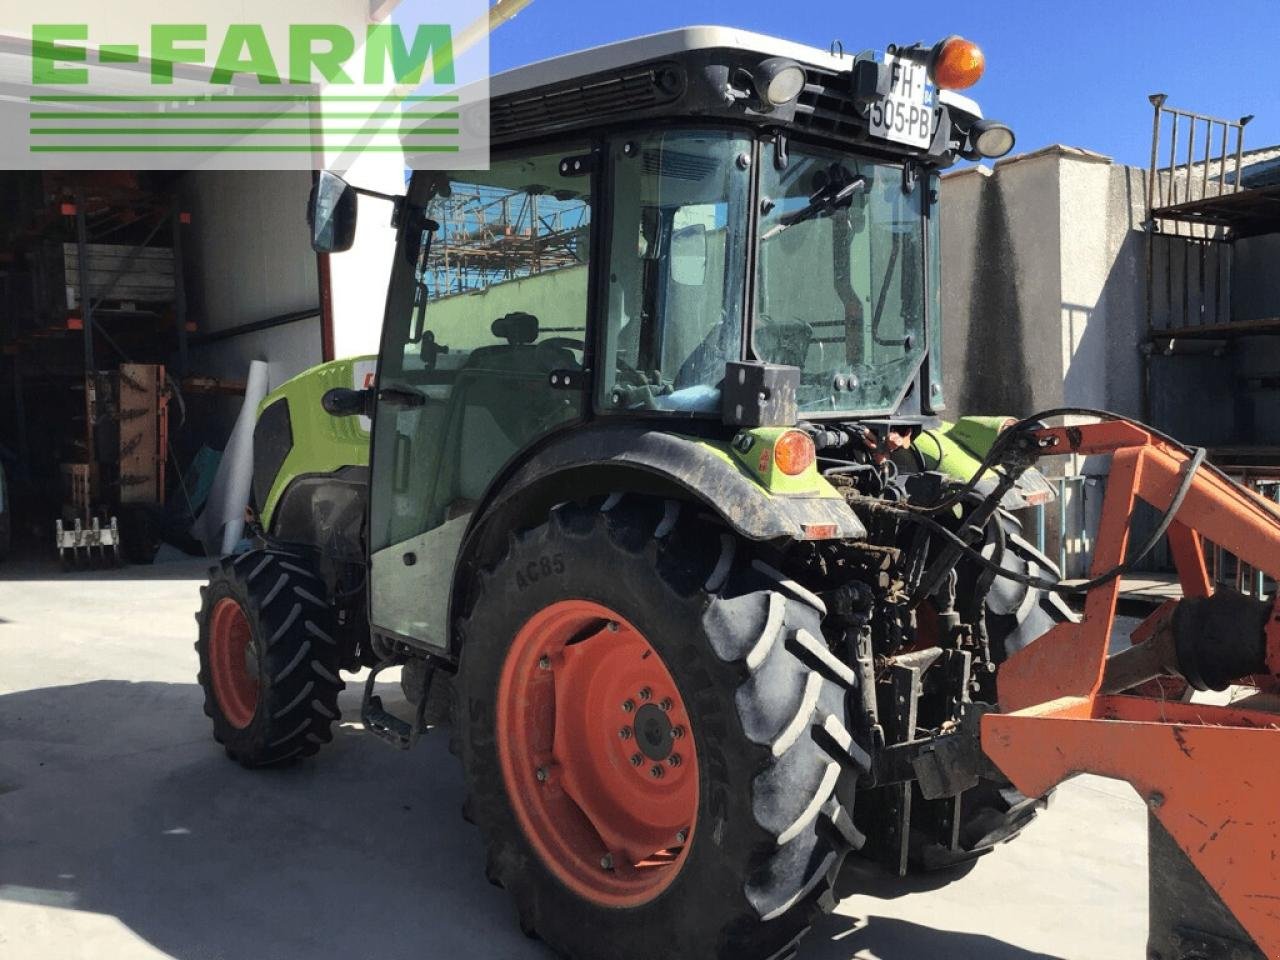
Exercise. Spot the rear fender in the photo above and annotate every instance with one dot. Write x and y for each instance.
(957, 450)
(597, 460)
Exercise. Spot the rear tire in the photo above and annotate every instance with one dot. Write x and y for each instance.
(1015, 614)
(268, 658)
(765, 706)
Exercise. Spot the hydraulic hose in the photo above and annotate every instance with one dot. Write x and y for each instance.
(958, 546)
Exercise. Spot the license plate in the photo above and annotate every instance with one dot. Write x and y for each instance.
(906, 114)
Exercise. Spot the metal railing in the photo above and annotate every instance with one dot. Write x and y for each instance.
(1176, 183)
(1072, 525)
(1226, 569)
(1202, 157)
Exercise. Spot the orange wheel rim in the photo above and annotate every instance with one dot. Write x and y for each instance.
(597, 753)
(233, 663)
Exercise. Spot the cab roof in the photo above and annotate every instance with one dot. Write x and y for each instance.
(655, 46)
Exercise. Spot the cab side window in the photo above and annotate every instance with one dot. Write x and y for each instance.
(499, 305)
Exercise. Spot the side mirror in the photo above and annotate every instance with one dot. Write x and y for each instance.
(689, 255)
(345, 402)
(331, 212)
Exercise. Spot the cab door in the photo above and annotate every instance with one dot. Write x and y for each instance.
(474, 330)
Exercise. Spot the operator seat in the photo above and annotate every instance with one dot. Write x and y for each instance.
(502, 399)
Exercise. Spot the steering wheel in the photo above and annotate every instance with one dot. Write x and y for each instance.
(549, 361)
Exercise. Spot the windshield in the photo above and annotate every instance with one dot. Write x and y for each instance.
(840, 278)
(677, 257)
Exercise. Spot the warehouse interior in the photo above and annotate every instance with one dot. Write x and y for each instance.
(121, 381)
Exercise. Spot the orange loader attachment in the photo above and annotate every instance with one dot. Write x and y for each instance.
(1210, 775)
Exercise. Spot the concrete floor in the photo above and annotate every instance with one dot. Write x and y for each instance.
(125, 832)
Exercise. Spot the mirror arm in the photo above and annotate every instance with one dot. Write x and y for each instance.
(345, 402)
(395, 198)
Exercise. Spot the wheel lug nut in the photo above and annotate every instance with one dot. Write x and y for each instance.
(675, 760)
(606, 861)
(542, 774)
(636, 759)
(677, 733)
(667, 703)
(656, 772)
(625, 733)
(628, 706)
(544, 663)
(646, 694)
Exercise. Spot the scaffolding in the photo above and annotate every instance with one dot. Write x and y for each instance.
(490, 235)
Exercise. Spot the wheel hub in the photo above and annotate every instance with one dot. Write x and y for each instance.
(653, 732)
(596, 753)
(233, 663)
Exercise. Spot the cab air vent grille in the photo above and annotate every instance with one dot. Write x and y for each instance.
(601, 96)
(825, 107)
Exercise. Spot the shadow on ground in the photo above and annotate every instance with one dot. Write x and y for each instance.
(114, 800)
(48, 568)
(886, 938)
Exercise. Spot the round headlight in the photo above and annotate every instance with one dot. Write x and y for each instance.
(778, 80)
(992, 139)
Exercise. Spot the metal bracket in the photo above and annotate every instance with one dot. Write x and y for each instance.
(567, 379)
(910, 174)
(579, 165)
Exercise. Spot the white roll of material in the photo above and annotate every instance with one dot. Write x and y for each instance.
(221, 524)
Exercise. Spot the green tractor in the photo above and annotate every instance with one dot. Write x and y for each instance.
(649, 496)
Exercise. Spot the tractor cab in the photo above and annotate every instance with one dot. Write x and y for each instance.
(668, 227)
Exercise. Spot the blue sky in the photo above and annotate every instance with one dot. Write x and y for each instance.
(1057, 72)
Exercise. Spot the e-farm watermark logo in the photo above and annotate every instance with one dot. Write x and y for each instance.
(292, 91)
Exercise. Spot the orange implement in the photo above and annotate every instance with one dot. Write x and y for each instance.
(1209, 775)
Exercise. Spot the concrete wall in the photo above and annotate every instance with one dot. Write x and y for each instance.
(558, 298)
(1044, 301)
(1000, 289)
(1042, 279)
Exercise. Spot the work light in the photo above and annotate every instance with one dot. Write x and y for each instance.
(991, 138)
(778, 80)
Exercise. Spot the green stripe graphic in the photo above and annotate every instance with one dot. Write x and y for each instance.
(243, 98)
(238, 131)
(236, 148)
(230, 115)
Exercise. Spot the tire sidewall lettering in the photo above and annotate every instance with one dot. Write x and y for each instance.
(540, 568)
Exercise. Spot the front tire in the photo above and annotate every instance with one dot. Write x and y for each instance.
(740, 844)
(268, 658)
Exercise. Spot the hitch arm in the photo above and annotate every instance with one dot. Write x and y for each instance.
(1208, 774)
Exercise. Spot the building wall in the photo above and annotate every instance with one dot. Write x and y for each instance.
(1043, 284)
(248, 258)
(1044, 303)
(1000, 289)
